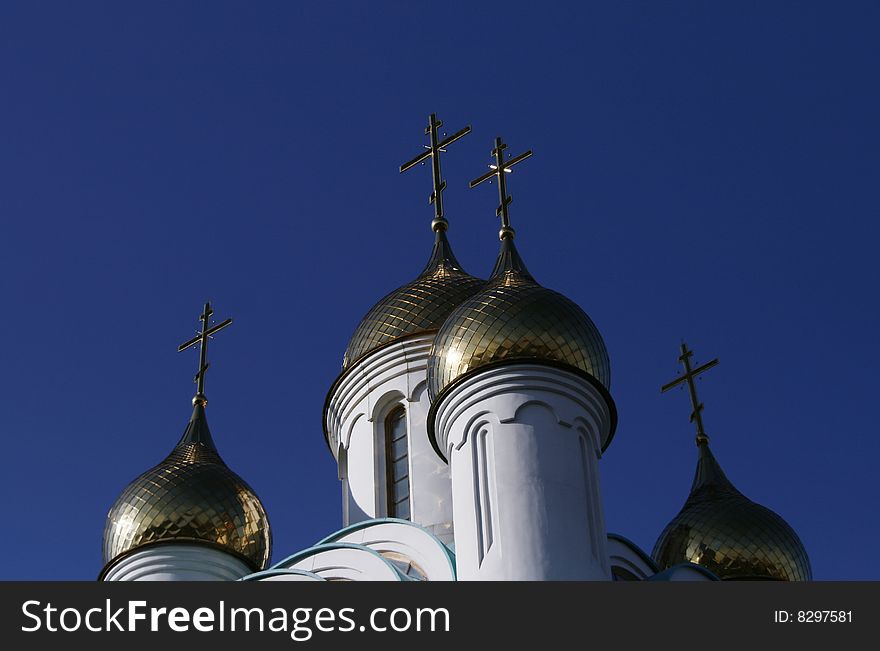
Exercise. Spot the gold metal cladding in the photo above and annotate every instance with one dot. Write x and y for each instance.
(515, 318)
(423, 304)
(190, 496)
(725, 532)
(419, 306)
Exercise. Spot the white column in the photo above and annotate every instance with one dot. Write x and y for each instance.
(523, 442)
(178, 562)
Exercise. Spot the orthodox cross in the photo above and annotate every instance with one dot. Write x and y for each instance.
(202, 340)
(433, 152)
(499, 169)
(688, 377)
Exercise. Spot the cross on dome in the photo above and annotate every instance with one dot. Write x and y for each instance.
(688, 377)
(499, 169)
(433, 152)
(202, 340)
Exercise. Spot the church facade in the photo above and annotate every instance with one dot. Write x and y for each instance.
(468, 424)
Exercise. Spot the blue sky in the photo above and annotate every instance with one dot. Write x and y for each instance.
(703, 171)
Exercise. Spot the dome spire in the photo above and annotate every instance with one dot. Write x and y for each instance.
(434, 149)
(191, 496)
(509, 262)
(688, 378)
(499, 169)
(513, 318)
(720, 528)
(421, 305)
(202, 340)
(709, 472)
(442, 258)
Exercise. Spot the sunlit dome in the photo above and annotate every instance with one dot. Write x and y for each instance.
(190, 497)
(513, 318)
(727, 533)
(419, 306)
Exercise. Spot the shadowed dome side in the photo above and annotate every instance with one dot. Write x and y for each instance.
(721, 529)
(419, 306)
(191, 496)
(514, 318)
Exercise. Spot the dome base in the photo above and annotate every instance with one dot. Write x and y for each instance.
(176, 562)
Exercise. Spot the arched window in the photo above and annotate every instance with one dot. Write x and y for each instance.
(397, 464)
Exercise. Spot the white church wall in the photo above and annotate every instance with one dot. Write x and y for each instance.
(523, 442)
(359, 480)
(391, 376)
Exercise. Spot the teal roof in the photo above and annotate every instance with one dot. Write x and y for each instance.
(638, 550)
(256, 576)
(323, 547)
(450, 555)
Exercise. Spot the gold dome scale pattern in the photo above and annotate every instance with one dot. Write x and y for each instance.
(419, 306)
(191, 496)
(727, 533)
(515, 318)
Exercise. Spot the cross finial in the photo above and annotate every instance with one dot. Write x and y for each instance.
(688, 377)
(202, 340)
(433, 152)
(499, 169)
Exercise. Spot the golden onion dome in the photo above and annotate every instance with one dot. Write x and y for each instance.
(417, 307)
(513, 318)
(190, 497)
(725, 532)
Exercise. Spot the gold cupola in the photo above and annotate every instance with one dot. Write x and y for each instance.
(513, 318)
(720, 528)
(724, 531)
(422, 305)
(191, 497)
